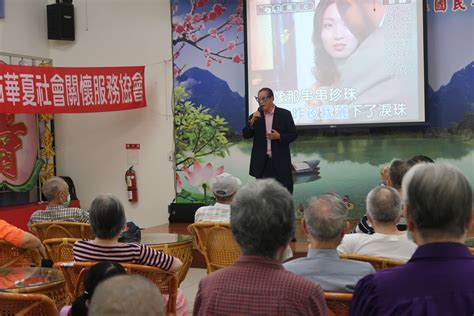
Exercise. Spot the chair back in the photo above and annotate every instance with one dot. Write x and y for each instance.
(167, 282)
(377, 262)
(27, 304)
(18, 257)
(60, 249)
(47, 230)
(338, 303)
(216, 243)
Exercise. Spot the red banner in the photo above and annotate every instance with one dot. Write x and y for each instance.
(27, 89)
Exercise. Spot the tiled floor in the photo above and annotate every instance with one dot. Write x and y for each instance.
(190, 285)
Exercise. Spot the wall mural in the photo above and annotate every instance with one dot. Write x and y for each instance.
(27, 151)
(209, 75)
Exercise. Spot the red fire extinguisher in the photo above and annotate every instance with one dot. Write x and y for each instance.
(131, 180)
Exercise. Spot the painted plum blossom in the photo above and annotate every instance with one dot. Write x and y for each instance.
(203, 26)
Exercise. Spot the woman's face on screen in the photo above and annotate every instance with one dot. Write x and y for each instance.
(338, 41)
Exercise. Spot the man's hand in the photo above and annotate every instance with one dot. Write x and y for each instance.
(255, 116)
(274, 135)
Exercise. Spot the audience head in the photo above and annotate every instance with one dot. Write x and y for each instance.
(55, 189)
(420, 158)
(107, 216)
(398, 169)
(224, 187)
(262, 218)
(96, 274)
(438, 201)
(125, 295)
(325, 217)
(383, 205)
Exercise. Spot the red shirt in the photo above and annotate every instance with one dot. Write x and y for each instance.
(258, 285)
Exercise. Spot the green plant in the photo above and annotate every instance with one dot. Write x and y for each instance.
(197, 132)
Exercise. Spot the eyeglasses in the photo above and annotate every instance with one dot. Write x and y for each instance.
(262, 99)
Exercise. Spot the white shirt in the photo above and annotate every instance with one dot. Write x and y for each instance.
(397, 247)
(217, 213)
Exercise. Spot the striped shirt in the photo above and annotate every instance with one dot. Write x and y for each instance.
(88, 250)
(59, 213)
(364, 227)
(216, 213)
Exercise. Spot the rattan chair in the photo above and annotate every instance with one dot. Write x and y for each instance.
(47, 230)
(377, 262)
(18, 257)
(167, 281)
(216, 243)
(183, 251)
(26, 304)
(338, 303)
(60, 249)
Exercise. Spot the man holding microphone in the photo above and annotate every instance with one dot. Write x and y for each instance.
(272, 129)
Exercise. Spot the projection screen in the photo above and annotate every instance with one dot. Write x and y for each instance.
(338, 62)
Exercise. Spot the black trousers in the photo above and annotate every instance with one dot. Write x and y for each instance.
(269, 171)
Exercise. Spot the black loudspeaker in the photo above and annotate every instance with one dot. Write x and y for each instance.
(183, 212)
(61, 21)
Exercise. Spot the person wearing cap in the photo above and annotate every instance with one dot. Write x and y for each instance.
(224, 188)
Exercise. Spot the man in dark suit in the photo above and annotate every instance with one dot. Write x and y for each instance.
(272, 129)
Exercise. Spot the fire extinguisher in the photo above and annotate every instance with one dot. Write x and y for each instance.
(131, 180)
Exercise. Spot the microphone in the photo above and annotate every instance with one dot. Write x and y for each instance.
(253, 118)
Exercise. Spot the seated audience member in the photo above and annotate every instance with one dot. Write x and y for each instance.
(383, 211)
(439, 278)
(262, 220)
(325, 224)
(107, 222)
(126, 295)
(392, 176)
(20, 239)
(96, 274)
(420, 159)
(56, 191)
(223, 188)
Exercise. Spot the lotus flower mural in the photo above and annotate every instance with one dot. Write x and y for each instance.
(200, 177)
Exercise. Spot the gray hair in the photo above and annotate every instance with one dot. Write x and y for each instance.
(325, 216)
(439, 199)
(52, 186)
(107, 216)
(262, 217)
(125, 295)
(384, 204)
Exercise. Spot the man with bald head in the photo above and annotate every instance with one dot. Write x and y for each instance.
(383, 212)
(125, 295)
(56, 191)
(325, 223)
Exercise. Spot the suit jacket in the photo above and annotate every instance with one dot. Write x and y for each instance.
(283, 123)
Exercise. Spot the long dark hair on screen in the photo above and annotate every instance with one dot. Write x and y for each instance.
(325, 70)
